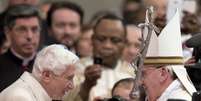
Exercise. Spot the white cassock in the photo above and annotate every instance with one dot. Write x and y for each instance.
(175, 91)
(26, 88)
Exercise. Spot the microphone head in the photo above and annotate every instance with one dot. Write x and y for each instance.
(194, 41)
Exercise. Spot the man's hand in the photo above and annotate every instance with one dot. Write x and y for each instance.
(92, 74)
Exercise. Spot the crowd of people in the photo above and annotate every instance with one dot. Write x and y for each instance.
(49, 53)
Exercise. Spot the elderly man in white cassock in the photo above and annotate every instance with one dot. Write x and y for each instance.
(163, 74)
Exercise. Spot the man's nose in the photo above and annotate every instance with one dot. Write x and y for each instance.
(67, 30)
(108, 43)
(133, 50)
(29, 35)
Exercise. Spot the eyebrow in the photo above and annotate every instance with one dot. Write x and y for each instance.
(159, 66)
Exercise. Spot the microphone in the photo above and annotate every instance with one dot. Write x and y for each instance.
(194, 41)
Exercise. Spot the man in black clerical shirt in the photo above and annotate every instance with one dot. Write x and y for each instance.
(22, 29)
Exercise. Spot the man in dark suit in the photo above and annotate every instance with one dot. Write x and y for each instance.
(22, 29)
(4, 44)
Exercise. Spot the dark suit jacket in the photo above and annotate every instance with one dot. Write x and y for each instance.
(11, 69)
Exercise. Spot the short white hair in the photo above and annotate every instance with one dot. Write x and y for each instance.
(54, 58)
(170, 70)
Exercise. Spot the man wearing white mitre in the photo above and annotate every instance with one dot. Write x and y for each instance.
(163, 74)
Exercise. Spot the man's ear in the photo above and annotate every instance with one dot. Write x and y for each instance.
(164, 75)
(46, 76)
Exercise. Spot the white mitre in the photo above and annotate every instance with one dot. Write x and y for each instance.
(166, 49)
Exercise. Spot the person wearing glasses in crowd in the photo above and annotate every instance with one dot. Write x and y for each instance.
(22, 29)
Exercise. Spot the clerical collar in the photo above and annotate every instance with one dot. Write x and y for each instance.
(25, 61)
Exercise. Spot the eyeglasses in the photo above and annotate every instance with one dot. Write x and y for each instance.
(23, 29)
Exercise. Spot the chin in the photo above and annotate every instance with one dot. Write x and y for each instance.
(30, 49)
(28, 54)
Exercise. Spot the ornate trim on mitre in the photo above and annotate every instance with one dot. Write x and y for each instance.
(164, 60)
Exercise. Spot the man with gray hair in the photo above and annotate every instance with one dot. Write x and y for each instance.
(52, 77)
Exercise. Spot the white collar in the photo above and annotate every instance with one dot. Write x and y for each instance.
(172, 87)
(25, 61)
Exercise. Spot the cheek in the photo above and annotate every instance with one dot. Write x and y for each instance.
(152, 81)
(60, 86)
(85, 44)
(36, 38)
(148, 79)
(57, 31)
(133, 49)
(76, 30)
(82, 46)
(76, 34)
(17, 40)
(97, 46)
(125, 51)
(58, 36)
(63, 84)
